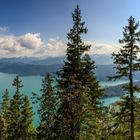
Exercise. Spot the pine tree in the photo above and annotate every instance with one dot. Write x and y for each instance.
(92, 104)
(121, 118)
(47, 109)
(28, 129)
(14, 128)
(127, 63)
(78, 87)
(2, 127)
(5, 102)
(137, 119)
(5, 113)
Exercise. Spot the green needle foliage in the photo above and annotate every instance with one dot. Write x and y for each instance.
(127, 63)
(47, 109)
(14, 128)
(28, 129)
(5, 103)
(2, 127)
(78, 87)
(4, 117)
(92, 105)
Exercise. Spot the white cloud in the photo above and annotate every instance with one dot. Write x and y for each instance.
(31, 44)
(56, 47)
(24, 45)
(102, 49)
(30, 40)
(9, 43)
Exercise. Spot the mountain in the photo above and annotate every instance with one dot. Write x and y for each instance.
(28, 69)
(34, 60)
(34, 66)
(117, 90)
(39, 66)
(48, 61)
(114, 91)
(102, 59)
(30, 65)
(103, 71)
(99, 60)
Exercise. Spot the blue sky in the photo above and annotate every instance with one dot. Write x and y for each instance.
(48, 21)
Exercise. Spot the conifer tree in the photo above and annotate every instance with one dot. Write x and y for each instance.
(5, 102)
(121, 118)
(77, 84)
(127, 63)
(2, 127)
(14, 128)
(5, 113)
(92, 94)
(28, 129)
(47, 109)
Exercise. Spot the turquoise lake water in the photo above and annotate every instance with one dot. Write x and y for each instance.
(33, 84)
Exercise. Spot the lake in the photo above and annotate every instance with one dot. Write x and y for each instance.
(33, 84)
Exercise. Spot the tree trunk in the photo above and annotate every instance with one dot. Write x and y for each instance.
(132, 108)
(131, 95)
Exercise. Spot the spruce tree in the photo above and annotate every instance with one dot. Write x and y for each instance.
(78, 87)
(14, 128)
(28, 129)
(121, 118)
(5, 113)
(127, 62)
(47, 109)
(91, 99)
(5, 102)
(2, 127)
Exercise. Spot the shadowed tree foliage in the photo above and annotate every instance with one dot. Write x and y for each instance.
(47, 109)
(2, 127)
(91, 100)
(5, 103)
(78, 87)
(14, 128)
(4, 118)
(28, 129)
(127, 63)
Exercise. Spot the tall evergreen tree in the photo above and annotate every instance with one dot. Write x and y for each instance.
(5, 113)
(5, 102)
(77, 84)
(14, 128)
(47, 109)
(92, 105)
(28, 129)
(127, 63)
(2, 127)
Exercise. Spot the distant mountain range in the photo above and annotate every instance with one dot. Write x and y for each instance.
(30, 65)
(33, 60)
(117, 90)
(34, 66)
(99, 60)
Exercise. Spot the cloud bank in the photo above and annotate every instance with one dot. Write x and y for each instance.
(101, 48)
(31, 44)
